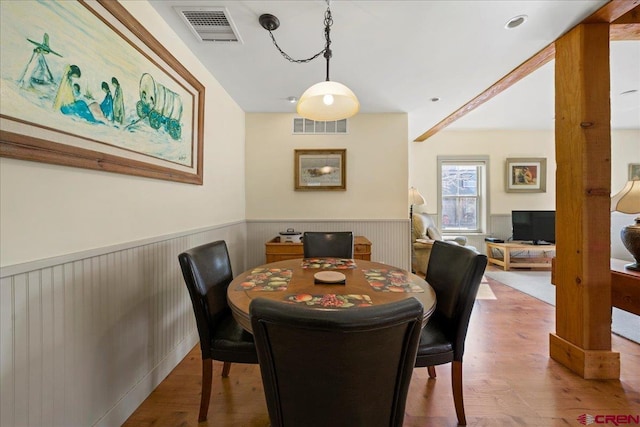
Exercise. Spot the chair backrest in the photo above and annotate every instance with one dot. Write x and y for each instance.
(337, 244)
(344, 367)
(455, 273)
(207, 273)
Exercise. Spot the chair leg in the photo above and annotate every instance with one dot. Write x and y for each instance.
(456, 382)
(225, 369)
(207, 373)
(432, 371)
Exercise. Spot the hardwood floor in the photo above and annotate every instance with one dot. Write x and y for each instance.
(509, 380)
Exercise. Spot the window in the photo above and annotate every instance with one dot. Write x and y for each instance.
(462, 193)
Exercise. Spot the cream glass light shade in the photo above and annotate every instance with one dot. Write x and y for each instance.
(315, 105)
(415, 198)
(628, 199)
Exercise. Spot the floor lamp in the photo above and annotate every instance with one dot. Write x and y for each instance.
(415, 198)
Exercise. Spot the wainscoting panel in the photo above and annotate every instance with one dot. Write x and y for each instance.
(86, 337)
(477, 241)
(501, 226)
(390, 239)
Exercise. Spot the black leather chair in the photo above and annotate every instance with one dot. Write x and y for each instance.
(455, 273)
(344, 367)
(338, 244)
(207, 274)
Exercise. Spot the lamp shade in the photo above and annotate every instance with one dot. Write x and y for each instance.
(628, 199)
(328, 100)
(415, 198)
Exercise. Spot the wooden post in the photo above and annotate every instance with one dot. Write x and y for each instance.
(582, 341)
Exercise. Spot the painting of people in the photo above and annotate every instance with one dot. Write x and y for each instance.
(66, 70)
(526, 175)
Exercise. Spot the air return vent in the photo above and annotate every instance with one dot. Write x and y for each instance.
(210, 24)
(308, 127)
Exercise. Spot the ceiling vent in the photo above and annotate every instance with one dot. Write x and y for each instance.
(309, 127)
(210, 24)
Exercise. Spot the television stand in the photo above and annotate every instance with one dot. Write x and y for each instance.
(540, 243)
(507, 262)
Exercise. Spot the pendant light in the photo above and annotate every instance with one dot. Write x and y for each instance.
(327, 100)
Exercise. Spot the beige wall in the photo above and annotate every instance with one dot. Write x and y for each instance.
(48, 210)
(376, 169)
(625, 149)
(500, 145)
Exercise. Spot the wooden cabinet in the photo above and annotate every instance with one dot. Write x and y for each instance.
(625, 287)
(276, 251)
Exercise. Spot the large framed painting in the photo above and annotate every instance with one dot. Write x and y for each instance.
(320, 169)
(85, 85)
(526, 175)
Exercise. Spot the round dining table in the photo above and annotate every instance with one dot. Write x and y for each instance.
(364, 284)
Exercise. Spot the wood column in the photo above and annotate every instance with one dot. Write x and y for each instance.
(582, 341)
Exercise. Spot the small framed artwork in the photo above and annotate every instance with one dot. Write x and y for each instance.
(634, 171)
(526, 175)
(320, 169)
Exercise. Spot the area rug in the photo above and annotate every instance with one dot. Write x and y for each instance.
(538, 285)
(484, 291)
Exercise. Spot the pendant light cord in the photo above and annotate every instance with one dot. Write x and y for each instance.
(328, 22)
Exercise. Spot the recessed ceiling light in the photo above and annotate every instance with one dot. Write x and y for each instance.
(292, 99)
(435, 99)
(516, 21)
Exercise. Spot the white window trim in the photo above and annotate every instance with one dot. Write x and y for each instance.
(483, 218)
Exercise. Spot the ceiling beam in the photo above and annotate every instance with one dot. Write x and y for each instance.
(620, 32)
(627, 27)
(522, 71)
(612, 11)
(624, 16)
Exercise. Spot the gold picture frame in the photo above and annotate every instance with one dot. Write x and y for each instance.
(323, 169)
(99, 93)
(526, 175)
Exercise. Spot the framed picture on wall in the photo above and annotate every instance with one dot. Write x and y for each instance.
(634, 171)
(320, 170)
(526, 175)
(86, 85)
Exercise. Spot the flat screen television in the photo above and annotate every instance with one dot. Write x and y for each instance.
(537, 227)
